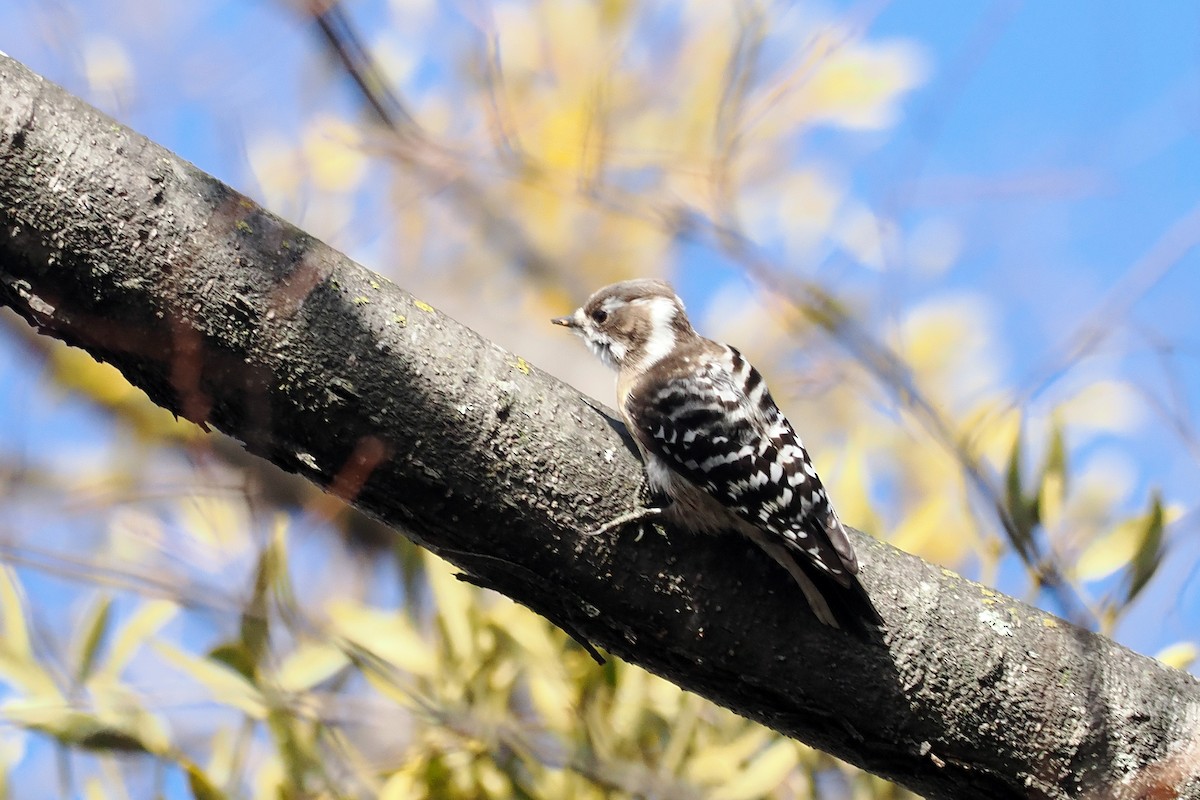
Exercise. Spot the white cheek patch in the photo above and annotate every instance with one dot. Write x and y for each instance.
(663, 311)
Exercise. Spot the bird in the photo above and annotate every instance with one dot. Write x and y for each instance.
(719, 454)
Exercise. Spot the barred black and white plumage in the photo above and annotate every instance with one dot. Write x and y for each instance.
(713, 440)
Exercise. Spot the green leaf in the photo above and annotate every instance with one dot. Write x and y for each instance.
(294, 743)
(106, 739)
(1022, 511)
(1056, 455)
(1052, 488)
(94, 628)
(1012, 483)
(202, 788)
(1150, 550)
(255, 631)
(235, 656)
(77, 728)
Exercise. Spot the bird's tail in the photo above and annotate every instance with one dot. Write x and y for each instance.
(839, 601)
(851, 605)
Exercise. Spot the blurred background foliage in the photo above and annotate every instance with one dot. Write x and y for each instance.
(984, 333)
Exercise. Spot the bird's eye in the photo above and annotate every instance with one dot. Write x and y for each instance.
(599, 315)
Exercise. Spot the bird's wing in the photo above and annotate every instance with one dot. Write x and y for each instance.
(721, 430)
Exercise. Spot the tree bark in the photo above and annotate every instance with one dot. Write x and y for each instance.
(234, 319)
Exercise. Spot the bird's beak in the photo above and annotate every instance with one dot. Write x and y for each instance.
(566, 322)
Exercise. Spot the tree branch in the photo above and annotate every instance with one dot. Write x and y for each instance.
(236, 320)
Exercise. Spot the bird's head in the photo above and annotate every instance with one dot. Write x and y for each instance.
(632, 324)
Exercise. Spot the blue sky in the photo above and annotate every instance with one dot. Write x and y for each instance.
(1088, 114)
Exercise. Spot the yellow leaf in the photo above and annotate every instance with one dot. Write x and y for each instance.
(762, 775)
(522, 52)
(93, 789)
(224, 684)
(858, 84)
(277, 168)
(529, 631)
(201, 787)
(1105, 405)
(148, 620)
(219, 524)
(120, 708)
(628, 703)
(1115, 549)
(807, 199)
(389, 635)
(135, 535)
(1110, 552)
(13, 744)
(713, 765)
(104, 384)
(35, 711)
(942, 336)
(401, 786)
(135, 732)
(388, 686)
(271, 780)
(335, 156)
(923, 531)
(490, 780)
(18, 664)
(554, 698)
(565, 137)
(455, 607)
(308, 665)
(990, 428)
(101, 382)
(1180, 655)
(15, 637)
(663, 697)
(573, 35)
(224, 755)
(1050, 499)
(849, 485)
(550, 688)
